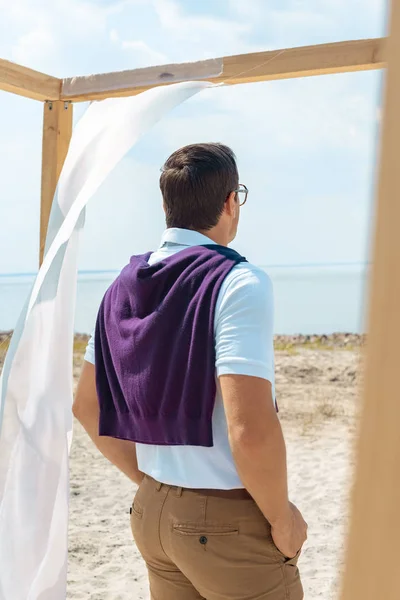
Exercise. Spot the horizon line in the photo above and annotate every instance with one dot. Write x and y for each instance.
(272, 266)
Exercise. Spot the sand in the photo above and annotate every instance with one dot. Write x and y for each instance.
(317, 387)
(317, 394)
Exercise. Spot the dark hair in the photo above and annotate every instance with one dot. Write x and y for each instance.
(195, 183)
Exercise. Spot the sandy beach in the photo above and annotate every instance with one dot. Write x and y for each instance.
(317, 383)
(317, 388)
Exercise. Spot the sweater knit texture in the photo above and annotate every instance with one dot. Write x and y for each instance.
(155, 348)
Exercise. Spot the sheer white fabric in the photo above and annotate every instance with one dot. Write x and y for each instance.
(36, 383)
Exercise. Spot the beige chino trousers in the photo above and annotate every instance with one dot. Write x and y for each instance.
(209, 544)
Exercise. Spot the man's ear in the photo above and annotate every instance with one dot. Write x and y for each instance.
(231, 204)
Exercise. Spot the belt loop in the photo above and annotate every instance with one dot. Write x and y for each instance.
(179, 491)
(158, 486)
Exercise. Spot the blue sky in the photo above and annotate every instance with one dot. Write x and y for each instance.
(306, 148)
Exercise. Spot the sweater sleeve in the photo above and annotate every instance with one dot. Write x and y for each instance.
(244, 325)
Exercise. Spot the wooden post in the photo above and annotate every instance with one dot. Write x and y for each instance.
(375, 525)
(57, 131)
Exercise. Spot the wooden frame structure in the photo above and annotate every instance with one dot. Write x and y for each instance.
(375, 525)
(59, 95)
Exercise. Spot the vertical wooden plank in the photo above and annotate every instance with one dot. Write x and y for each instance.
(57, 131)
(375, 524)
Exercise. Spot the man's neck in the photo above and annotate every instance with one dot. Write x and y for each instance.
(216, 236)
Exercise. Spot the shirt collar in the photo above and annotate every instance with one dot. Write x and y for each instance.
(184, 237)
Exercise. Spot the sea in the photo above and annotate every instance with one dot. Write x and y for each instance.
(309, 299)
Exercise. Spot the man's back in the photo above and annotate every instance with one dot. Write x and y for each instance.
(243, 328)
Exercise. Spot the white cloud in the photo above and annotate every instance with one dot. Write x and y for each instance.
(249, 10)
(33, 47)
(40, 30)
(207, 36)
(304, 116)
(280, 20)
(43, 13)
(304, 22)
(143, 55)
(114, 37)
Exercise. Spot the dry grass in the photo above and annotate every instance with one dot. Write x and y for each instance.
(293, 347)
(329, 410)
(322, 414)
(80, 344)
(4, 344)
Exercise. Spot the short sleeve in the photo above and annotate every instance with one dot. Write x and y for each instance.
(89, 353)
(244, 325)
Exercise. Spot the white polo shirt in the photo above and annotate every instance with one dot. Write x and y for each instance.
(243, 329)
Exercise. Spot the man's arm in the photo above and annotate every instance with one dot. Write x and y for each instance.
(245, 368)
(86, 409)
(259, 451)
(257, 442)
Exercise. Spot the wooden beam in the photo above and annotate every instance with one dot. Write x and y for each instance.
(375, 523)
(26, 82)
(57, 131)
(123, 82)
(341, 57)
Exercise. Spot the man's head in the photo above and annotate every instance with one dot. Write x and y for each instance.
(198, 184)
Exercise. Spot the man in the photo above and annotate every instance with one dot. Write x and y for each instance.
(182, 399)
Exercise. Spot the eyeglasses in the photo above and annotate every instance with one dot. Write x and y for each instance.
(241, 194)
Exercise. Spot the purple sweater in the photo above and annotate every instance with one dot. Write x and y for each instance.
(155, 351)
